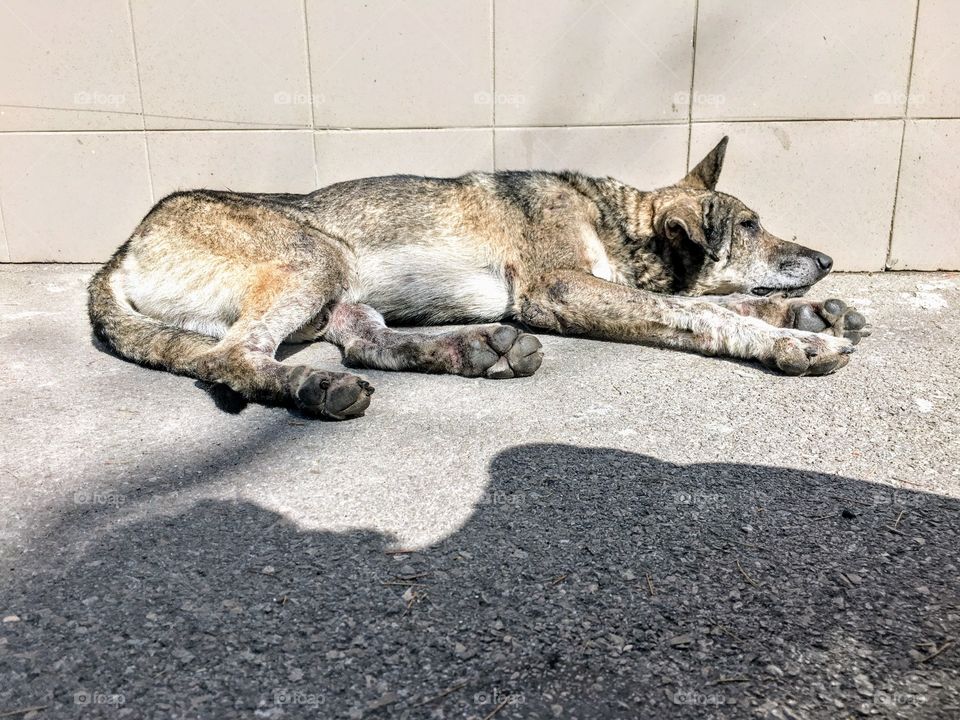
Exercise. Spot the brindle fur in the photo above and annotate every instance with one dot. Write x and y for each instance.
(210, 283)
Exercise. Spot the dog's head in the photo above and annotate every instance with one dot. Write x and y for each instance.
(716, 245)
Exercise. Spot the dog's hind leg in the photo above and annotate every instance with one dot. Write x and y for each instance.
(492, 351)
(244, 360)
(273, 300)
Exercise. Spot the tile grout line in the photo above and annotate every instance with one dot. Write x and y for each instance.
(449, 128)
(493, 80)
(4, 246)
(903, 136)
(693, 75)
(896, 197)
(143, 114)
(452, 128)
(313, 112)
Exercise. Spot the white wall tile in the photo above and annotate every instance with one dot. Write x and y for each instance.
(830, 184)
(813, 59)
(241, 160)
(233, 97)
(71, 197)
(345, 155)
(67, 66)
(222, 65)
(383, 64)
(925, 232)
(583, 62)
(645, 156)
(935, 90)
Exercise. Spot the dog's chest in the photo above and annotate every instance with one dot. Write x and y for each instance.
(596, 259)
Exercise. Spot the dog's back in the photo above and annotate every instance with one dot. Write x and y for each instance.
(433, 250)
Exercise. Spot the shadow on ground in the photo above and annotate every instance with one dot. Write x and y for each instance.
(589, 583)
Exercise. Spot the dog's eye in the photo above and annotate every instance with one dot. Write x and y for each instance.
(750, 225)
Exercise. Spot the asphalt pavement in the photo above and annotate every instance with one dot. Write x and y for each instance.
(629, 533)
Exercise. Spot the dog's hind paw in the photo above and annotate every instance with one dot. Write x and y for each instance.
(335, 396)
(808, 353)
(832, 317)
(499, 352)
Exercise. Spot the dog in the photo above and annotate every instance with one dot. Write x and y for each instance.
(210, 283)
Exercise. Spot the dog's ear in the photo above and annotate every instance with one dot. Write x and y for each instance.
(705, 175)
(685, 221)
(706, 224)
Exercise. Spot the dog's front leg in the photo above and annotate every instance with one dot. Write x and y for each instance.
(833, 317)
(575, 303)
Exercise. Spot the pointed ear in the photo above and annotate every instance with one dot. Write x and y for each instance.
(684, 221)
(705, 175)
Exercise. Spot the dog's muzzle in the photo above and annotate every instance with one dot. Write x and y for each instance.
(815, 266)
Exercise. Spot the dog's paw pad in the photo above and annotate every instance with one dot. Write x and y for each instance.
(831, 317)
(500, 352)
(503, 338)
(526, 355)
(337, 396)
(808, 319)
(854, 320)
(500, 370)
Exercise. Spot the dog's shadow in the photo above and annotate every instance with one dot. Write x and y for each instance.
(602, 582)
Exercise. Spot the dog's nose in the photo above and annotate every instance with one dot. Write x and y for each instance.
(823, 260)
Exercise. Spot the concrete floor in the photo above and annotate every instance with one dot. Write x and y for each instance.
(631, 532)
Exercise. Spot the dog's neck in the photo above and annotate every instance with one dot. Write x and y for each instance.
(626, 226)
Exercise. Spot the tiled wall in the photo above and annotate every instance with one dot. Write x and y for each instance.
(844, 117)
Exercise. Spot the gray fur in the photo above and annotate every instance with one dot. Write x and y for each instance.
(210, 283)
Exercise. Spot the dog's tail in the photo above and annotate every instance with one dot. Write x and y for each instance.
(133, 335)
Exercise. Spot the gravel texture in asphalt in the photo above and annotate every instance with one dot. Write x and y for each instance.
(631, 532)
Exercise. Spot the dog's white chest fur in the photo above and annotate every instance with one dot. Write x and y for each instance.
(596, 254)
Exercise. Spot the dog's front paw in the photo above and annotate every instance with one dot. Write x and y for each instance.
(808, 353)
(832, 317)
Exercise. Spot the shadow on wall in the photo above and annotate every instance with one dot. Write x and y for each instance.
(588, 583)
